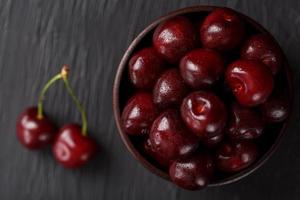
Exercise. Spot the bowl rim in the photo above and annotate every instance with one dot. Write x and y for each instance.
(122, 67)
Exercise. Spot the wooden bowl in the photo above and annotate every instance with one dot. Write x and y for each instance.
(123, 89)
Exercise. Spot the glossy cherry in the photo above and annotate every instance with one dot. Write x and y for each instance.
(201, 68)
(170, 138)
(235, 156)
(71, 148)
(204, 114)
(192, 173)
(174, 38)
(245, 123)
(34, 132)
(145, 66)
(159, 158)
(138, 114)
(250, 80)
(170, 89)
(213, 141)
(263, 48)
(222, 29)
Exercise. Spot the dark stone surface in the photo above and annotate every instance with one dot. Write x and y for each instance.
(38, 36)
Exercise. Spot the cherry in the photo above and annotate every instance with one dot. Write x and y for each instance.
(174, 38)
(213, 141)
(222, 30)
(201, 68)
(138, 114)
(192, 173)
(263, 48)
(245, 123)
(204, 114)
(34, 132)
(236, 155)
(275, 109)
(144, 68)
(72, 148)
(148, 148)
(170, 89)
(250, 80)
(169, 137)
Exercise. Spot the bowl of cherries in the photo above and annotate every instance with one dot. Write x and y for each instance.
(202, 96)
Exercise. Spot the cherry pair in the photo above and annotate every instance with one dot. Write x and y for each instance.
(71, 146)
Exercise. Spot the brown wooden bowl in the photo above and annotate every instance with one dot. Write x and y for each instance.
(123, 89)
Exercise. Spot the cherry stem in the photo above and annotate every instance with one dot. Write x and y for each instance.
(43, 92)
(64, 74)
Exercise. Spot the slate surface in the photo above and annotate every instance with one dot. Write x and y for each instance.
(38, 36)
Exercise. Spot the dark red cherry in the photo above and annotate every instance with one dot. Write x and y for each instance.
(263, 48)
(150, 151)
(275, 109)
(201, 68)
(250, 80)
(245, 123)
(145, 66)
(236, 155)
(32, 132)
(213, 141)
(170, 89)
(222, 29)
(192, 173)
(174, 38)
(71, 148)
(170, 138)
(204, 114)
(138, 114)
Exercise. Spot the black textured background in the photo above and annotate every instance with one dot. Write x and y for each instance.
(38, 36)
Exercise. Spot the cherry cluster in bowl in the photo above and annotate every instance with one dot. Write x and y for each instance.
(204, 95)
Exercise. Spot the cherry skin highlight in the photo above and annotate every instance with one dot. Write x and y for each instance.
(222, 30)
(192, 173)
(245, 123)
(169, 90)
(71, 148)
(263, 48)
(138, 114)
(250, 81)
(174, 38)
(204, 114)
(145, 66)
(201, 68)
(169, 137)
(214, 141)
(32, 132)
(235, 156)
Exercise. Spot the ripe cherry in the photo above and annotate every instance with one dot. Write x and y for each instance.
(250, 80)
(204, 114)
(138, 114)
(169, 90)
(159, 158)
(34, 132)
(201, 68)
(174, 38)
(145, 66)
(213, 141)
(192, 173)
(222, 30)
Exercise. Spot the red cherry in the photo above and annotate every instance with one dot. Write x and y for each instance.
(169, 89)
(201, 68)
(236, 155)
(204, 114)
(169, 138)
(32, 132)
(222, 29)
(245, 123)
(174, 38)
(263, 48)
(145, 66)
(213, 141)
(150, 151)
(250, 80)
(71, 148)
(192, 173)
(138, 114)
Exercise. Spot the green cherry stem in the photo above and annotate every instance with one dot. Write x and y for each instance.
(64, 73)
(43, 92)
